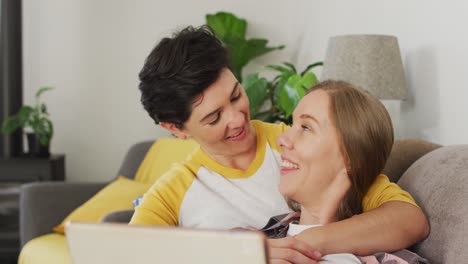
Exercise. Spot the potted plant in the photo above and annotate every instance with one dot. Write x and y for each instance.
(36, 123)
(275, 100)
(231, 30)
(270, 101)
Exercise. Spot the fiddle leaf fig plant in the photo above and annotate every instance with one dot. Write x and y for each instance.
(231, 30)
(34, 118)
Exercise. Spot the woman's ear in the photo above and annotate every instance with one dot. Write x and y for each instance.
(171, 127)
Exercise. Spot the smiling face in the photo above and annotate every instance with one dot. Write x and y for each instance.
(313, 161)
(219, 121)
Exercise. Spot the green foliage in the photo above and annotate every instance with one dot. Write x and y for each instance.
(257, 89)
(36, 118)
(231, 31)
(276, 100)
(270, 101)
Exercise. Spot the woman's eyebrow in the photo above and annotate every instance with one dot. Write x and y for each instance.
(236, 85)
(307, 116)
(209, 114)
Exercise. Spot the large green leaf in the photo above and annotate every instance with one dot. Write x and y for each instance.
(231, 30)
(280, 83)
(290, 94)
(257, 47)
(256, 88)
(308, 80)
(227, 25)
(242, 51)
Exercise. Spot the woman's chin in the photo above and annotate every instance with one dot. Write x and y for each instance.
(285, 191)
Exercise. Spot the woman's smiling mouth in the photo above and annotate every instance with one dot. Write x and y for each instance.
(239, 136)
(288, 166)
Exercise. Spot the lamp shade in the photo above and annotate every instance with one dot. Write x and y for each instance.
(371, 62)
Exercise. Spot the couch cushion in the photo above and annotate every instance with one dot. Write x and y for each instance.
(438, 182)
(162, 154)
(116, 196)
(50, 249)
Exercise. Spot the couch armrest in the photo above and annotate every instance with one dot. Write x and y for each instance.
(44, 205)
(123, 216)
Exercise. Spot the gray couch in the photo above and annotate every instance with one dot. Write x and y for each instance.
(43, 205)
(438, 181)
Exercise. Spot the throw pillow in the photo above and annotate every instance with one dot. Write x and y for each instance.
(116, 196)
(160, 157)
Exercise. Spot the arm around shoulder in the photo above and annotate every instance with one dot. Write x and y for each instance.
(391, 221)
(161, 204)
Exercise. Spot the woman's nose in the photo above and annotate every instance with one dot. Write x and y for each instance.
(236, 118)
(283, 140)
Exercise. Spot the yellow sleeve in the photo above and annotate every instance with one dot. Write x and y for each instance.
(382, 191)
(270, 131)
(161, 204)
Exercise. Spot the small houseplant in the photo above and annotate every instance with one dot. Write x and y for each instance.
(35, 122)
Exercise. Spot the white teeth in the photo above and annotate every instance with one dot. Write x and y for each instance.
(236, 134)
(287, 164)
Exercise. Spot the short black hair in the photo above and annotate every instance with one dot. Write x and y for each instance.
(178, 70)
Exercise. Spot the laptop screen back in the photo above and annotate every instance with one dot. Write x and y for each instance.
(119, 243)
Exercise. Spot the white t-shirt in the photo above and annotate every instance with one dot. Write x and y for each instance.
(342, 258)
(201, 193)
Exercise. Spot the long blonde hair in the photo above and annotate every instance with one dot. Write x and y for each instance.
(366, 133)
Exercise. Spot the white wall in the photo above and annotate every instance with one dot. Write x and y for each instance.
(433, 41)
(92, 51)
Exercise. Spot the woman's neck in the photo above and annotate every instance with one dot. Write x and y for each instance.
(240, 161)
(323, 208)
(317, 216)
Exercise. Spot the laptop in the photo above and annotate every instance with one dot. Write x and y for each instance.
(107, 243)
